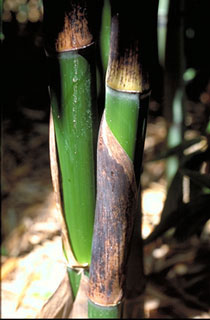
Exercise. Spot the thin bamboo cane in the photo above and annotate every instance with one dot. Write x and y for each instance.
(70, 47)
(174, 65)
(103, 52)
(116, 183)
(105, 33)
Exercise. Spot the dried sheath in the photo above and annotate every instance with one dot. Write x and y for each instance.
(113, 223)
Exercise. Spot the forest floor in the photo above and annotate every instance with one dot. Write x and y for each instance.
(32, 262)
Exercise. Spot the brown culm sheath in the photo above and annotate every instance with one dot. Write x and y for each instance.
(66, 25)
(116, 200)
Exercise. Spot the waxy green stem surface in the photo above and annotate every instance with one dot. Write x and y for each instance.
(73, 119)
(121, 110)
(100, 312)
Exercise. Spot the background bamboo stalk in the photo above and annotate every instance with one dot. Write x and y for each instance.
(103, 52)
(174, 67)
(105, 33)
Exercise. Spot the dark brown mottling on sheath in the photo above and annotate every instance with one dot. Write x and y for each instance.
(66, 25)
(125, 70)
(116, 201)
(75, 33)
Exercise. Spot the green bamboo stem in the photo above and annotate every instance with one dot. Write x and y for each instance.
(74, 136)
(135, 277)
(116, 185)
(163, 8)
(105, 33)
(121, 112)
(141, 134)
(175, 134)
(70, 53)
(174, 82)
(100, 312)
(103, 52)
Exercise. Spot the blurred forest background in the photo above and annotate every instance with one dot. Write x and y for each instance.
(179, 254)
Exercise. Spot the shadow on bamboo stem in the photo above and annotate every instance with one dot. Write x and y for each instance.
(133, 306)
